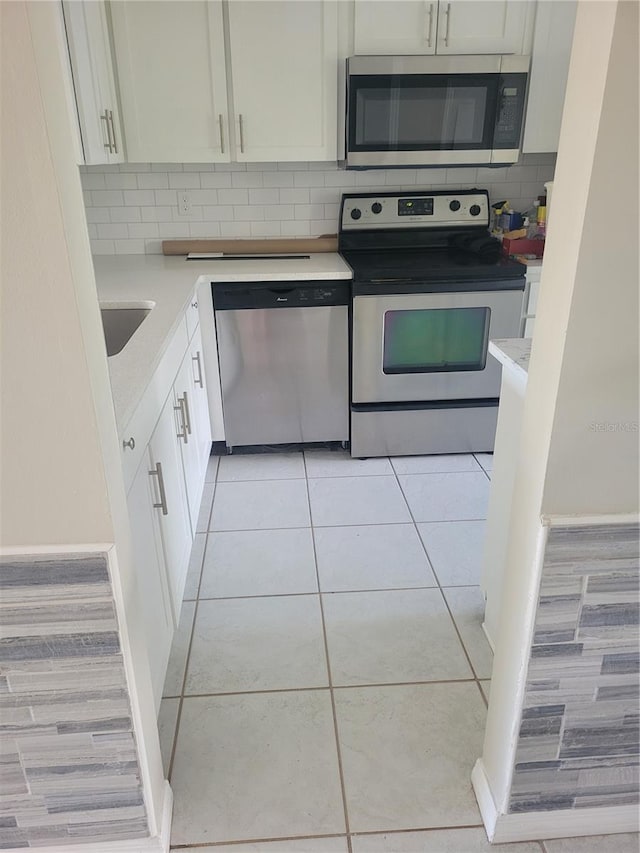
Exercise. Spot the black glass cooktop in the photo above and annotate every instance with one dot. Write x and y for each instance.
(429, 265)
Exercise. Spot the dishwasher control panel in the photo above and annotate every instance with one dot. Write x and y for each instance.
(234, 296)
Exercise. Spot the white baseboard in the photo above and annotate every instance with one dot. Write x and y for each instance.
(157, 844)
(534, 826)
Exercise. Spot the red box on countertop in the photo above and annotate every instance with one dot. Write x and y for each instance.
(523, 246)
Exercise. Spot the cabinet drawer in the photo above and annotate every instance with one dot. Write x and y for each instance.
(146, 415)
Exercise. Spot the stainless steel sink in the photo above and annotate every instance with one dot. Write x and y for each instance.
(120, 321)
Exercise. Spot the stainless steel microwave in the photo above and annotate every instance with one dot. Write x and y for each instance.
(434, 110)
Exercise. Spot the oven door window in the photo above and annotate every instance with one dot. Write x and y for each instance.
(435, 340)
(422, 112)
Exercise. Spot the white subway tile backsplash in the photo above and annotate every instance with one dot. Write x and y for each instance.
(103, 247)
(139, 197)
(156, 214)
(130, 247)
(215, 180)
(204, 230)
(93, 181)
(295, 228)
(176, 230)
(134, 167)
(248, 212)
(308, 179)
(235, 229)
(218, 213)
(279, 212)
(166, 197)
(92, 231)
(265, 229)
(309, 211)
(153, 181)
(133, 207)
(246, 179)
(278, 179)
(233, 196)
(106, 198)
(270, 196)
(98, 214)
(143, 230)
(294, 196)
(112, 232)
(121, 181)
(125, 214)
(184, 180)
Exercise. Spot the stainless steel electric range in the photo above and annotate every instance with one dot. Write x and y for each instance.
(429, 290)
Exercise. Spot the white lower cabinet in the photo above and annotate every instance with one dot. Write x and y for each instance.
(171, 502)
(170, 443)
(194, 428)
(151, 572)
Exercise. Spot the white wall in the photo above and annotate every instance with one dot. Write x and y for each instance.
(132, 207)
(580, 368)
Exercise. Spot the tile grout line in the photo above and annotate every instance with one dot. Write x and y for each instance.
(193, 628)
(444, 598)
(328, 663)
(306, 689)
(326, 526)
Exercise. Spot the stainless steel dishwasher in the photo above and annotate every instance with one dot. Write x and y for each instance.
(283, 349)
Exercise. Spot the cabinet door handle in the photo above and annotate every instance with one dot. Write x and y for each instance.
(105, 118)
(241, 125)
(130, 444)
(180, 408)
(187, 415)
(447, 12)
(429, 19)
(198, 378)
(157, 472)
(113, 132)
(221, 126)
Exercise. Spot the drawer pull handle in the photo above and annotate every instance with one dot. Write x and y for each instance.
(130, 444)
(157, 472)
(198, 379)
(183, 418)
(187, 414)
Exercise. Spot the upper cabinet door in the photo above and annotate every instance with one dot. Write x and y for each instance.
(171, 73)
(483, 26)
(395, 26)
(284, 63)
(93, 81)
(552, 41)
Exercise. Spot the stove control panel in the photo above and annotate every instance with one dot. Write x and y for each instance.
(415, 209)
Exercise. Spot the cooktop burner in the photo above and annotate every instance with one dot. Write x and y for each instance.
(428, 265)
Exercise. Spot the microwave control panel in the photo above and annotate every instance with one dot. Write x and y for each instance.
(442, 209)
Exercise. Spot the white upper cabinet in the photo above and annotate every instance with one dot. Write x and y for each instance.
(284, 65)
(552, 40)
(429, 26)
(395, 26)
(483, 26)
(93, 81)
(172, 60)
(171, 73)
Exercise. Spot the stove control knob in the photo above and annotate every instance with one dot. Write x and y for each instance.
(356, 213)
(454, 205)
(376, 207)
(474, 210)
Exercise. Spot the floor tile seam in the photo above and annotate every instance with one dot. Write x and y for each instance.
(262, 480)
(205, 845)
(330, 526)
(417, 473)
(444, 598)
(343, 790)
(484, 470)
(444, 828)
(320, 687)
(326, 592)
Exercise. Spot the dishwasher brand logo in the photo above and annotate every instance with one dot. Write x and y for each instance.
(282, 299)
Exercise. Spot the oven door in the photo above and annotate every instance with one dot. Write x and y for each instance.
(430, 346)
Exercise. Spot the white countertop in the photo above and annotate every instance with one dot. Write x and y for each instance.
(169, 283)
(513, 353)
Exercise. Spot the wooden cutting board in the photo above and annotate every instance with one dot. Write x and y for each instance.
(301, 246)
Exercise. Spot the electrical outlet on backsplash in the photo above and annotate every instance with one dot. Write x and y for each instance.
(132, 207)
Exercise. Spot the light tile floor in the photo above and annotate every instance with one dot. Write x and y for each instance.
(326, 691)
